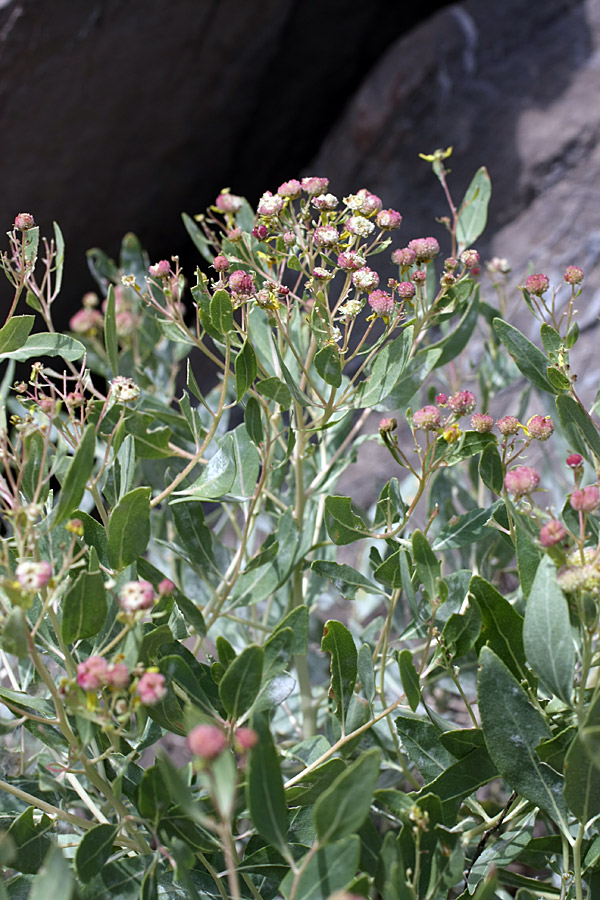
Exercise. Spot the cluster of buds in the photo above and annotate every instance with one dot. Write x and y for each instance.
(89, 320)
(206, 742)
(95, 674)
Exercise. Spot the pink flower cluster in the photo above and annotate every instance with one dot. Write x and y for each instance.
(95, 673)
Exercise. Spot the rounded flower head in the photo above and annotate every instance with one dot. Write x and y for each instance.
(33, 575)
(573, 275)
(360, 226)
(151, 688)
(322, 274)
(228, 203)
(24, 221)
(537, 284)
(508, 425)
(86, 321)
(469, 258)
(241, 283)
(117, 675)
(290, 189)
(520, 482)
(540, 427)
(587, 499)
(363, 202)
(574, 460)
(420, 276)
(388, 425)
(160, 269)
(91, 674)
(427, 418)
(482, 423)
(351, 260)
(221, 263)
(325, 201)
(462, 402)
(575, 578)
(365, 279)
(123, 389)
(381, 303)
(314, 185)
(269, 204)
(425, 249)
(245, 738)
(553, 532)
(404, 256)
(326, 236)
(166, 587)
(206, 741)
(406, 290)
(389, 219)
(260, 231)
(136, 595)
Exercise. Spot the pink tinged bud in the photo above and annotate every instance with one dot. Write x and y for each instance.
(365, 279)
(552, 533)
(420, 276)
(241, 282)
(406, 290)
(326, 236)
(574, 461)
(573, 275)
(235, 234)
(540, 427)
(86, 321)
(117, 676)
(322, 274)
(450, 263)
(207, 741)
(441, 399)
(389, 219)
(325, 201)
(425, 249)
(136, 595)
(290, 189)
(229, 203)
(260, 232)
(447, 279)
(388, 425)
(221, 263)
(537, 284)
(370, 203)
(289, 238)
(508, 425)
(350, 260)
(166, 587)
(520, 482)
(587, 499)
(33, 575)
(404, 256)
(24, 221)
(151, 688)
(469, 258)
(427, 418)
(381, 303)
(246, 738)
(91, 674)
(462, 402)
(160, 269)
(314, 185)
(482, 423)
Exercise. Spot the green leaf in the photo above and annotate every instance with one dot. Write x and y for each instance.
(472, 213)
(426, 564)
(14, 334)
(558, 379)
(274, 389)
(366, 672)
(529, 359)
(247, 464)
(35, 454)
(388, 367)
(38, 345)
(461, 631)
(245, 369)
(30, 840)
(218, 476)
(330, 869)
(491, 471)
(547, 633)
(412, 379)
(94, 850)
(343, 526)
(502, 626)
(94, 535)
(409, 678)
(264, 788)
(573, 416)
(80, 469)
(582, 776)
(194, 534)
(421, 743)
(329, 365)
(129, 528)
(338, 641)
(461, 779)
(528, 556)
(221, 312)
(198, 238)
(253, 421)
(513, 728)
(84, 607)
(462, 531)
(346, 579)
(344, 805)
(455, 342)
(59, 243)
(240, 684)
(153, 797)
(15, 633)
(54, 880)
(148, 444)
(111, 342)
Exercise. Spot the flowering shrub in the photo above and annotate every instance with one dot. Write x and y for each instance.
(220, 678)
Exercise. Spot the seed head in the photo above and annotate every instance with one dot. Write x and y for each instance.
(420, 276)
(325, 201)
(360, 226)
(123, 389)
(351, 260)
(241, 283)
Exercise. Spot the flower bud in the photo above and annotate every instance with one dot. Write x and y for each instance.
(425, 249)
(586, 499)
(482, 423)
(351, 260)
(117, 676)
(33, 575)
(520, 482)
(381, 303)
(228, 203)
(537, 284)
(387, 425)
(404, 256)
(326, 236)
(427, 418)
(207, 741)
(220, 263)
(508, 425)
(469, 258)
(360, 226)
(161, 269)
(290, 189)
(574, 460)
(406, 290)
(136, 595)
(24, 221)
(269, 204)
(462, 402)
(573, 275)
(553, 532)
(365, 279)
(166, 587)
(314, 185)
(91, 674)
(246, 738)
(151, 688)
(540, 427)
(388, 219)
